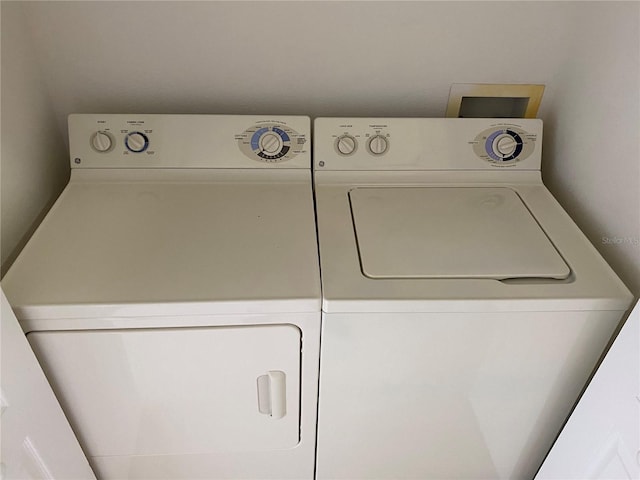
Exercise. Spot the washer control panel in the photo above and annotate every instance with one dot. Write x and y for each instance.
(504, 144)
(271, 142)
(416, 144)
(374, 139)
(189, 141)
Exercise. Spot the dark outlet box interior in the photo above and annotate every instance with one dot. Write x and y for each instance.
(493, 107)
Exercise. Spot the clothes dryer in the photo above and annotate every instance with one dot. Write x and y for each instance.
(172, 296)
(463, 310)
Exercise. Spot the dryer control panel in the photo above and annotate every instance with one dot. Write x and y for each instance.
(427, 143)
(271, 142)
(188, 141)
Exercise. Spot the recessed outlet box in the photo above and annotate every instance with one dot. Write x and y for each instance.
(481, 100)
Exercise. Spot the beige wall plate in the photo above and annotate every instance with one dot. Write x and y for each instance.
(494, 100)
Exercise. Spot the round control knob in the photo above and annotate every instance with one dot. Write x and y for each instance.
(378, 145)
(136, 142)
(505, 145)
(270, 143)
(346, 144)
(101, 142)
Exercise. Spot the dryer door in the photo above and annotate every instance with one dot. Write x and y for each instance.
(177, 390)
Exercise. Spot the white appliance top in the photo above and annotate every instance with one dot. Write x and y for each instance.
(175, 241)
(450, 233)
(447, 215)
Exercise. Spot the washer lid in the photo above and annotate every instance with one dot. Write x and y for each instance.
(429, 232)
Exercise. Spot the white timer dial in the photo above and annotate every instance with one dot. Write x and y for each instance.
(378, 145)
(271, 143)
(505, 145)
(346, 144)
(136, 142)
(101, 142)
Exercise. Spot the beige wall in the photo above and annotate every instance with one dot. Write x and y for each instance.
(592, 155)
(350, 58)
(315, 58)
(33, 167)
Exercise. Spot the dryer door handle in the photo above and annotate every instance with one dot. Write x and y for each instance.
(272, 394)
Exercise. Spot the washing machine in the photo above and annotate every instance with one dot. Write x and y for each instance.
(463, 310)
(172, 296)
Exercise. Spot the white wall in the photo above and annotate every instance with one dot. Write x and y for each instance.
(592, 154)
(318, 58)
(353, 58)
(34, 163)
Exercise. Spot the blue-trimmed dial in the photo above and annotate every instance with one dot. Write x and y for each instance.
(136, 142)
(503, 145)
(271, 142)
